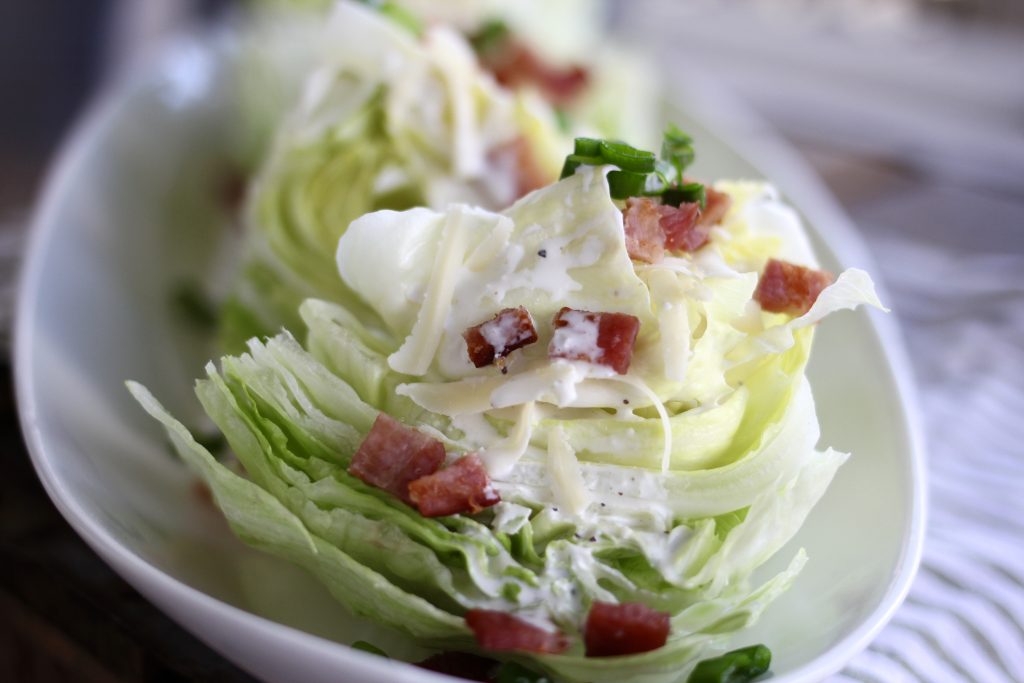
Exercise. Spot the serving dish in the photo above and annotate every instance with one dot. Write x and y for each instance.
(132, 211)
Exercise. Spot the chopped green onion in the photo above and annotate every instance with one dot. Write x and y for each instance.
(490, 36)
(688, 193)
(677, 148)
(510, 672)
(625, 184)
(639, 172)
(738, 666)
(590, 147)
(368, 647)
(574, 161)
(667, 172)
(628, 158)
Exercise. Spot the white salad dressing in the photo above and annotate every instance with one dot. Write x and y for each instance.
(509, 518)
(577, 336)
(498, 331)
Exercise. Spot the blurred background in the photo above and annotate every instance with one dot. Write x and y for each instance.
(911, 111)
(876, 94)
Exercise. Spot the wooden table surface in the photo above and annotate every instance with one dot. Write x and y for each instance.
(64, 614)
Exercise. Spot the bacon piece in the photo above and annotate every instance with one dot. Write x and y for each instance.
(510, 329)
(682, 227)
(461, 487)
(603, 338)
(789, 288)
(624, 629)
(503, 632)
(651, 228)
(516, 159)
(645, 238)
(392, 455)
(514, 65)
(715, 207)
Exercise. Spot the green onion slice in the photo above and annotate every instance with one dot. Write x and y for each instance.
(677, 148)
(639, 172)
(491, 36)
(590, 147)
(574, 161)
(686, 194)
(628, 158)
(625, 184)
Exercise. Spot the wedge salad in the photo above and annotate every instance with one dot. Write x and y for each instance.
(563, 435)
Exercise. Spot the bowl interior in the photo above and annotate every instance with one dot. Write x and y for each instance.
(134, 214)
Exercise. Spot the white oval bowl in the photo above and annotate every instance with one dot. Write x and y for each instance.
(126, 215)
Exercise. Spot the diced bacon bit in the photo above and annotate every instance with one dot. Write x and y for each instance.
(684, 231)
(789, 288)
(603, 338)
(624, 629)
(461, 665)
(510, 329)
(651, 228)
(393, 455)
(517, 158)
(502, 632)
(461, 487)
(645, 239)
(715, 207)
(514, 64)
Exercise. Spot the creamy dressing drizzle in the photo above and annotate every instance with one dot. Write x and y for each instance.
(578, 336)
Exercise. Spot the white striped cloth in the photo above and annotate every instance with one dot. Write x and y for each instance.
(963, 317)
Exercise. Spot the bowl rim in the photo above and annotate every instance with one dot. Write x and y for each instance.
(169, 593)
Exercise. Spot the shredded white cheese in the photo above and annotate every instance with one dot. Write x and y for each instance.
(564, 471)
(418, 350)
(501, 457)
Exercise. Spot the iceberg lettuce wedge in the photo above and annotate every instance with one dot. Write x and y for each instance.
(668, 483)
